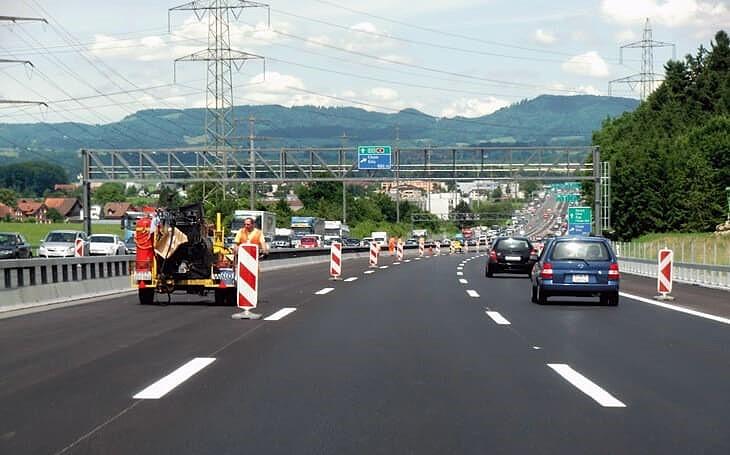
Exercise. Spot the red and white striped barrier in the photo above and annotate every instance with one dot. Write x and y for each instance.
(247, 281)
(466, 246)
(438, 248)
(399, 251)
(335, 261)
(78, 248)
(420, 248)
(664, 277)
(374, 252)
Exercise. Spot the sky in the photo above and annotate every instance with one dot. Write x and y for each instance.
(97, 62)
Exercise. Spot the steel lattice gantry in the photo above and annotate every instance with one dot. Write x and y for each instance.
(230, 165)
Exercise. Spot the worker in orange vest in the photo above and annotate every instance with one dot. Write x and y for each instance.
(391, 245)
(249, 234)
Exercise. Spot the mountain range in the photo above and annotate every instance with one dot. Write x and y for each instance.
(545, 120)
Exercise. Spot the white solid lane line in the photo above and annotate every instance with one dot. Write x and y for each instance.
(324, 291)
(352, 278)
(586, 386)
(676, 308)
(498, 318)
(162, 387)
(459, 273)
(463, 281)
(280, 314)
(472, 293)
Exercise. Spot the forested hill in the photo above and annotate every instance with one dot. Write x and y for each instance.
(544, 120)
(670, 158)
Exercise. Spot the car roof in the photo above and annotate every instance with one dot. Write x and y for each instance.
(10, 233)
(66, 231)
(102, 235)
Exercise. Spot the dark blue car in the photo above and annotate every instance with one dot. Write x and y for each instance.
(576, 267)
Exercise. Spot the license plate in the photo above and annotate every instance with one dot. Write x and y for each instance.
(512, 258)
(580, 278)
(141, 276)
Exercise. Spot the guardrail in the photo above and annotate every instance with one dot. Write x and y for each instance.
(714, 276)
(41, 281)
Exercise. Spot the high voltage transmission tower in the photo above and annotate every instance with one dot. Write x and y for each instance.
(219, 122)
(15, 20)
(647, 77)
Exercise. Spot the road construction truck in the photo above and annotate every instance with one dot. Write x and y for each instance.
(178, 252)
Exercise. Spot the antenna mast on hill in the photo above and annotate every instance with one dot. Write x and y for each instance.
(647, 78)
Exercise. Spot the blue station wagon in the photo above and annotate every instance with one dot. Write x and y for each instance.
(576, 267)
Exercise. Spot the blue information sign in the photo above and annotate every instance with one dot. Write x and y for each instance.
(579, 229)
(374, 157)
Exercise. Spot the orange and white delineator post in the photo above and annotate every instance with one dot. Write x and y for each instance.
(420, 247)
(247, 281)
(336, 261)
(78, 248)
(399, 251)
(374, 252)
(664, 274)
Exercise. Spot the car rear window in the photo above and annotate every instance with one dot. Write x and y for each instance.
(61, 237)
(512, 244)
(101, 239)
(576, 249)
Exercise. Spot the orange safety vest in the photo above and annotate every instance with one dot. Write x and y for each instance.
(255, 237)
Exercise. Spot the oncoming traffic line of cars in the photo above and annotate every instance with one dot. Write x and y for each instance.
(62, 243)
(566, 267)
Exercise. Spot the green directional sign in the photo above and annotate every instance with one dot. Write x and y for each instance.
(373, 157)
(568, 197)
(580, 215)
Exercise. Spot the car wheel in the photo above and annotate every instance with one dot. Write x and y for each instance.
(146, 296)
(609, 298)
(541, 297)
(533, 297)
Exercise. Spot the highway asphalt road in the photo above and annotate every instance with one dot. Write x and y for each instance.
(415, 358)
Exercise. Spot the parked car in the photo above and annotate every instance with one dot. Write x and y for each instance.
(14, 246)
(331, 240)
(511, 255)
(366, 241)
(411, 242)
(106, 245)
(62, 244)
(576, 266)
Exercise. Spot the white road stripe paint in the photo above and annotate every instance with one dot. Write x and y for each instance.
(162, 387)
(586, 386)
(352, 278)
(472, 293)
(498, 318)
(383, 266)
(418, 259)
(463, 281)
(324, 291)
(676, 308)
(407, 260)
(368, 272)
(280, 314)
(396, 263)
(459, 273)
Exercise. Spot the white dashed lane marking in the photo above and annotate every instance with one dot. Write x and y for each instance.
(472, 293)
(459, 273)
(280, 314)
(586, 386)
(368, 272)
(324, 291)
(498, 318)
(352, 278)
(463, 281)
(162, 387)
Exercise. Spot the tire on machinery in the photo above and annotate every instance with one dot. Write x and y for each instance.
(146, 296)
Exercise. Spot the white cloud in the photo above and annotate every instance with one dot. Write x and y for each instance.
(588, 64)
(544, 37)
(580, 90)
(367, 27)
(473, 107)
(671, 13)
(384, 94)
(275, 82)
(365, 37)
(625, 35)
(318, 41)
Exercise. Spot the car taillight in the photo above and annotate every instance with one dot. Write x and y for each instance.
(613, 273)
(547, 271)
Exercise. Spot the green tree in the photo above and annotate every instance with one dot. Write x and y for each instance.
(109, 192)
(32, 178)
(9, 197)
(54, 216)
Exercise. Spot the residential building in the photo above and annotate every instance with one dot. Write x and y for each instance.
(68, 207)
(28, 209)
(116, 210)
